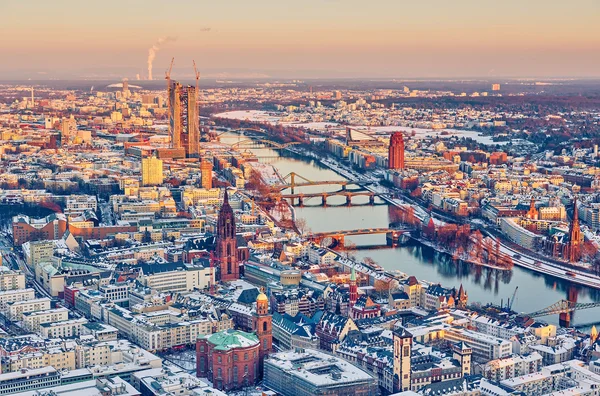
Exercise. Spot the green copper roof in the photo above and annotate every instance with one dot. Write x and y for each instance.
(229, 339)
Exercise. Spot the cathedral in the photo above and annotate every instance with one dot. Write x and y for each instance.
(226, 243)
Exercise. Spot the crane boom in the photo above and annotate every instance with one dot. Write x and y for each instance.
(512, 299)
(168, 72)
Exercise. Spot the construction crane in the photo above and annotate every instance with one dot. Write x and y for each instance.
(197, 120)
(511, 300)
(168, 79)
(168, 72)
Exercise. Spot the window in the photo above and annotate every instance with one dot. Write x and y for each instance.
(219, 360)
(246, 356)
(264, 326)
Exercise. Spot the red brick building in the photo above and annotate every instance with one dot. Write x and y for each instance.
(230, 359)
(27, 229)
(396, 151)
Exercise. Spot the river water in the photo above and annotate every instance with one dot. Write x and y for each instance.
(536, 291)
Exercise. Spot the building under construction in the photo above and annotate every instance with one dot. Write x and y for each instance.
(183, 119)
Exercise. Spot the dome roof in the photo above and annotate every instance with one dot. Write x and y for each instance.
(262, 298)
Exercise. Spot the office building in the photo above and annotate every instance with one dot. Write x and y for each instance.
(183, 119)
(312, 372)
(152, 171)
(396, 151)
(68, 130)
(206, 170)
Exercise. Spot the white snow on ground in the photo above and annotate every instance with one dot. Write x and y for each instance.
(551, 269)
(268, 173)
(263, 116)
(250, 115)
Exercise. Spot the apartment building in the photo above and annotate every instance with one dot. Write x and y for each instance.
(66, 329)
(11, 296)
(14, 311)
(32, 321)
(11, 279)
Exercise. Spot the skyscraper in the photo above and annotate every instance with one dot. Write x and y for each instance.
(227, 242)
(206, 170)
(126, 92)
(183, 119)
(396, 151)
(152, 171)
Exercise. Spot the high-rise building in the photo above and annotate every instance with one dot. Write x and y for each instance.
(68, 129)
(396, 151)
(183, 119)
(227, 243)
(152, 171)
(126, 92)
(206, 168)
(575, 236)
(495, 87)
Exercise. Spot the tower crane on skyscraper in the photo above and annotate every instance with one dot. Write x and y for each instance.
(197, 120)
(168, 80)
(168, 72)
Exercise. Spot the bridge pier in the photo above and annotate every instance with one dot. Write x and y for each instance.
(564, 319)
(348, 200)
(324, 199)
(300, 202)
(343, 187)
(392, 238)
(371, 199)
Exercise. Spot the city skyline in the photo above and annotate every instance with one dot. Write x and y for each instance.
(318, 39)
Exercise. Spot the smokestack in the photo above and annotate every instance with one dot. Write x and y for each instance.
(154, 49)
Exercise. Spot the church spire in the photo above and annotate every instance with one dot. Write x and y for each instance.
(225, 197)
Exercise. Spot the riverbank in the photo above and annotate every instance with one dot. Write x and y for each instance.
(525, 261)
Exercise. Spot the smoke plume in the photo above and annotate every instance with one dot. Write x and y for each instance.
(154, 49)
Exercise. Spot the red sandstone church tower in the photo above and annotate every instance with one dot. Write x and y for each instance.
(396, 151)
(575, 237)
(227, 243)
(353, 288)
(263, 322)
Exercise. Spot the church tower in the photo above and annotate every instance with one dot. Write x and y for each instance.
(575, 237)
(533, 212)
(353, 288)
(402, 363)
(263, 325)
(227, 243)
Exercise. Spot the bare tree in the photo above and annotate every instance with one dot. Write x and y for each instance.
(302, 226)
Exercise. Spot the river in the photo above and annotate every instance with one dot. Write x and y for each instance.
(483, 285)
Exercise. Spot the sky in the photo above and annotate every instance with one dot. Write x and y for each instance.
(301, 39)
